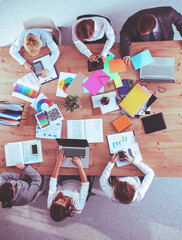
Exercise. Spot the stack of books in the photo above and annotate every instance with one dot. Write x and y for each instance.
(11, 113)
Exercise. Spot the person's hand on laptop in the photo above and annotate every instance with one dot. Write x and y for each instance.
(60, 157)
(77, 162)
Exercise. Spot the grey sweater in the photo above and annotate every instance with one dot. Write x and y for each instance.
(24, 192)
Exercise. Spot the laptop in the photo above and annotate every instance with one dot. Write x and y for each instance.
(161, 70)
(74, 148)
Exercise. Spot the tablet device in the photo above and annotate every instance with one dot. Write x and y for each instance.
(153, 123)
(93, 66)
(38, 67)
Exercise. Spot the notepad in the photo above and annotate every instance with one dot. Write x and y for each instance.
(141, 59)
(117, 65)
(135, 99)
(122, 123)
(153, 123)
(107, 70)
(96, 81)
(118, 82)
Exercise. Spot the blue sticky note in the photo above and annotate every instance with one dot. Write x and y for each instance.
(141, 59)
(86, 91)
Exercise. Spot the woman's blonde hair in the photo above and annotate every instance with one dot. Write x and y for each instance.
(32, 44)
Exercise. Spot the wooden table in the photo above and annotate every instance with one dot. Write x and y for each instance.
(160, 150)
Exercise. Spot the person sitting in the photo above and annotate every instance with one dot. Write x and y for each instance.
(15, 190)
(33, 40)
(154, 24)
(126, 189)
(92, 29)
(68, 198)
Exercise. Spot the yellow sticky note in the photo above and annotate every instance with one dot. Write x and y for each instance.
(118, 82)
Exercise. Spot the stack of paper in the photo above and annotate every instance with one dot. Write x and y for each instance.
(135, 100)
(117, 65)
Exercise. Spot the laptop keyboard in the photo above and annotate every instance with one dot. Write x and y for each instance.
(160, 71)
(70, 152)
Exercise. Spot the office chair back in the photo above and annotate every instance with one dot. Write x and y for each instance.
(46, 24)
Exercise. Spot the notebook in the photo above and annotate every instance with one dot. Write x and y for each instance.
(161, 70)
(153, 123)
(74, 145)
(121, 123)
(135, 100)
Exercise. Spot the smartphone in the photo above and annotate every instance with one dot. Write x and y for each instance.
(121, 155)
(34, 149)
(38, 67)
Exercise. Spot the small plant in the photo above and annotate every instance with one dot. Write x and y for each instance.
(71, 103)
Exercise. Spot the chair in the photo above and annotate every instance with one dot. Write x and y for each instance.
(102, 40)
(41, 190)
(46, 24)
(91, 182)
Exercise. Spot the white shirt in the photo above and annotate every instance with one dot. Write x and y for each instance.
(101, 27)
(77, 190)
(140, 188)
(45, 39)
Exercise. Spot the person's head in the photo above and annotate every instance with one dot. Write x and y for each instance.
(7, 192)
(32, 44)
(146, 24)
(123, 191)
(60, 209)
(85, 29)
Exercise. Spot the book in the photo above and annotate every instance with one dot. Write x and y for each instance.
(153, 123)
(90, 129)
(22, 152)
(125, 89)
(122, 123)
(49, 117)
(12, 106)
(124, 142)
(9, 122)
(10, 114)
(52, 75)
(135, 100)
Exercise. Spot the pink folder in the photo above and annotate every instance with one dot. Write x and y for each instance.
(96, 81)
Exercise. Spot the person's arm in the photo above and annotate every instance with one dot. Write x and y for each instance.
(77, 162)
(36, 180)
(125, 41)
(53, 48)
(177, 20)
(149, 174)
(105, 176)
(5, 176)
(80, 46)
(111, 38)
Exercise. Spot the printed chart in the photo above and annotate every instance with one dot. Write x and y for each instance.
(64, 81)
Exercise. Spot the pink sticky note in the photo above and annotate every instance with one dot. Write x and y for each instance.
(96, 81)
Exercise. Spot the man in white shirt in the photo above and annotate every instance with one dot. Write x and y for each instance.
(92, 29)
(126, 189)
(33, 40)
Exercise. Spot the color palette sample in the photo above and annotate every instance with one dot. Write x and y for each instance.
(24, 90)
(43, 104)
(42, 120)
(53, 114)
(64, 83)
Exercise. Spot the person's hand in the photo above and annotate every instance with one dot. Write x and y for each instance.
(28, 67)
(20, 165)
(114, 157)
(60, 156)
(93, 58)
(77, 162)
(127, 61)
(103, 59)
(128, 158)
(44, 73)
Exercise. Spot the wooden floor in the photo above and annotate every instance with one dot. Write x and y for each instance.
(160, 150)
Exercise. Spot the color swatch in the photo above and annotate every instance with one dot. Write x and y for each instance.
(43, 104)
(24, 90)
(64, 83)
(42, 120)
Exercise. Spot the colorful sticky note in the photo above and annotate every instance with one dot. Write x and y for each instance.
(107, 70)
(118, 82)
(86, 91)
(96, 81)
(117, 65)
(141, 59)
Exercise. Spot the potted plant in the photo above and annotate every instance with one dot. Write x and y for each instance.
(71, 103)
